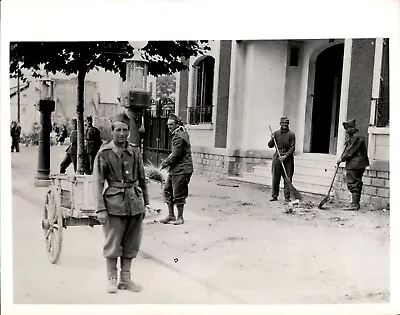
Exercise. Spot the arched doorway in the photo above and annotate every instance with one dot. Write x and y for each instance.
(326, 100)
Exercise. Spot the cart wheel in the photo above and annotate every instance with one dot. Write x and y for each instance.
(52, 226)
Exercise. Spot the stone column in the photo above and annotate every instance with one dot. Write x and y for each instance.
(344, 94)
(43, 171)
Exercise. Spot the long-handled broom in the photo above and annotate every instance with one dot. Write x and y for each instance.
(326, 198)
(293, 191)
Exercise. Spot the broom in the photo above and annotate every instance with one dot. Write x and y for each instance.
(293, 191)
(326, 198)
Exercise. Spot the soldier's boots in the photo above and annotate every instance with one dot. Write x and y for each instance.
(112, 285)
(355, 202)
(168, 219)
(125, 282)
(180, 220)
(112, 275)
(171, 216)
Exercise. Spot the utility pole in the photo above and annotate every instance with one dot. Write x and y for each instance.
(18, 98)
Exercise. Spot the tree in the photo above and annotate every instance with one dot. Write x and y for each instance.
(166, 57)
(166, 85)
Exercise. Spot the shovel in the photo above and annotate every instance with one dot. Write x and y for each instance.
(326, 198)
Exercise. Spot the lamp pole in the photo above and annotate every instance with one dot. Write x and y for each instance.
(135, 97)
(46, 106)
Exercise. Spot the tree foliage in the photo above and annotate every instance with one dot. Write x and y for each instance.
(166, 85)
(165, 58)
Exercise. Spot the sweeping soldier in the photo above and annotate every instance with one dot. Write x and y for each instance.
(286, 142)
(180, 165)
(356, 158)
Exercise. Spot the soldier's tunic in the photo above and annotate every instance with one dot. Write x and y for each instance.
(92, 144)
(286, 142)
(356, 158)
(180, 168)
(124, 198)
(71, 153)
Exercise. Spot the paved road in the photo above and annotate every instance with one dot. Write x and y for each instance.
(79, 277)
(235, 247)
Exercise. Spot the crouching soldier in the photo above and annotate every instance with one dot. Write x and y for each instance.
(120, 207)
(356, 158)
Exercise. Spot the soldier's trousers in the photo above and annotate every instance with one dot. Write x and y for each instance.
(123, 236)
(90, 156)
(68, 159)
(354, 180)
(277, 173)
(176, 189)
(15, 144)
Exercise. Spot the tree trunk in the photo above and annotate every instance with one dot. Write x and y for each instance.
(79, 116)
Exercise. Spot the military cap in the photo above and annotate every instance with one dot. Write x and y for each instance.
(349, 124)
(284, 118)
(175, 118)
(122, 117)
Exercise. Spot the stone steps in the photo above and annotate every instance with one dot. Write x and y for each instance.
(313, 173)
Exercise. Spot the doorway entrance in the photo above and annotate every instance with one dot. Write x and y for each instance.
(326, 100)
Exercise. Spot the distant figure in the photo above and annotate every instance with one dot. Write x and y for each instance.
(15, 131)
(356, 158)
(63, 134)
(56, 129)
(35, 135)
(92, 144)
(71, 151)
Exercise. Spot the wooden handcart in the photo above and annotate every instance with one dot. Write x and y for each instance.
(69, 202)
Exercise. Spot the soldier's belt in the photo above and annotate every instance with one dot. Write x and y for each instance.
(122, 184)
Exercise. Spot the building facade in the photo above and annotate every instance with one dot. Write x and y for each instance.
(230, 96)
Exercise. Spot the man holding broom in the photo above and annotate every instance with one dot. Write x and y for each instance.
(285, 140)
(180, 166)
(356, 159)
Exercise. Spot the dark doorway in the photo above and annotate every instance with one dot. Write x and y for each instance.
(326, 100)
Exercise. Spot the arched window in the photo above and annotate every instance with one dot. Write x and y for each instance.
(203, 82)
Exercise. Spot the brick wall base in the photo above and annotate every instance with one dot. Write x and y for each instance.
(218, 163)
(376, 189)
(221, 163)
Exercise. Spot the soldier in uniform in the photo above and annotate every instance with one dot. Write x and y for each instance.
(15, 131)
(92, 144)
(356, 158)
(180, 171)
(71, 151)
(286, 142)
(120, 207)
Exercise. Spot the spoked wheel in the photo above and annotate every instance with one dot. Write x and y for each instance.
(52, 226)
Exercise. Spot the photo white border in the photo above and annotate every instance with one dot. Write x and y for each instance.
(250, 19)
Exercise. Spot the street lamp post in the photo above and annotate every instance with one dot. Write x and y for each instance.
(135, 97)
(46, 106)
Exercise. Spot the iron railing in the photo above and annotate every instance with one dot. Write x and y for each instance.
(200, 115)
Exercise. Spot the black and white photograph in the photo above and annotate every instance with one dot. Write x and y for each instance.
(235, 170)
